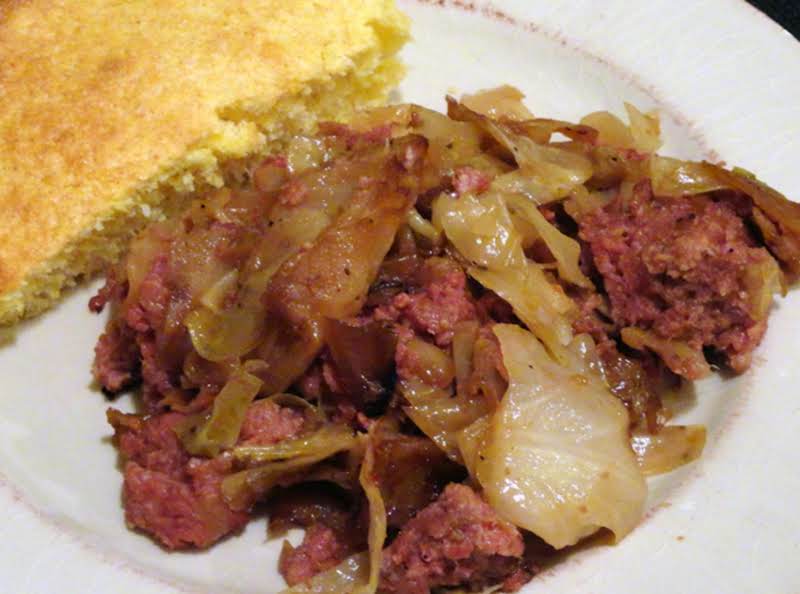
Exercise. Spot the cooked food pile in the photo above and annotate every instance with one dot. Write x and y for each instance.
(439, 343)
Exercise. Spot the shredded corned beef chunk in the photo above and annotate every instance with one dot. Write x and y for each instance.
(266, 423)
(456, 541)
(135, 345)
(175, 497)
(335, 528)
(116, 359)
(166, 493)
(321, 549)
(676, 266)
(437, 305)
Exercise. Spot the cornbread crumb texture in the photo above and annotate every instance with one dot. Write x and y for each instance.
(112, 113)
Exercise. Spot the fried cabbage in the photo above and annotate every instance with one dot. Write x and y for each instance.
(242, 489)
(441, 415)
(643, 133)
(548, 172)
(564, 249)
(555, 457)
(330, 279)
(328, 436)
(431, 404)
(504, 101)
(679, 356)
(377, 514)
(221, 429)
(220, 333)
(482, 231)
(672, 447)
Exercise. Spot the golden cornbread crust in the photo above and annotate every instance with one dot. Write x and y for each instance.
(113, 114)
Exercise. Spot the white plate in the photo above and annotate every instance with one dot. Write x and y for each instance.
(727, 81)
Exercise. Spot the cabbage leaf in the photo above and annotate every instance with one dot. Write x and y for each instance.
(556, 459)
(221, 429)
(482, 231)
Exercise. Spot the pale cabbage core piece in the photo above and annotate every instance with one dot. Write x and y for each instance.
(556, 458)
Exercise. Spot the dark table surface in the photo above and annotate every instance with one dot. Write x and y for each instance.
(784, 12)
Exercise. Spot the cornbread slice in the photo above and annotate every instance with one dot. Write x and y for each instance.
(113, 114)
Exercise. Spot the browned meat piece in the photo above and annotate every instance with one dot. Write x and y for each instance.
(117, 354)
(152, 299)
(677, 266)
(181, 512)
(177, 498)
(335, 528)
(134, 345)
(173, 497)
(266, 423)
(116, 359)
(321, 549)
(441, 302)
(457, 540)
(150, 442)
(112, 290)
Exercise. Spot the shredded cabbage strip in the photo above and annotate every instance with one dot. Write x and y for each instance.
(565, 250)
(441, 415)
(307, 445)
(672, 447)
(221, 430)
(242, 489)
(377, 516)
(480, 228)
